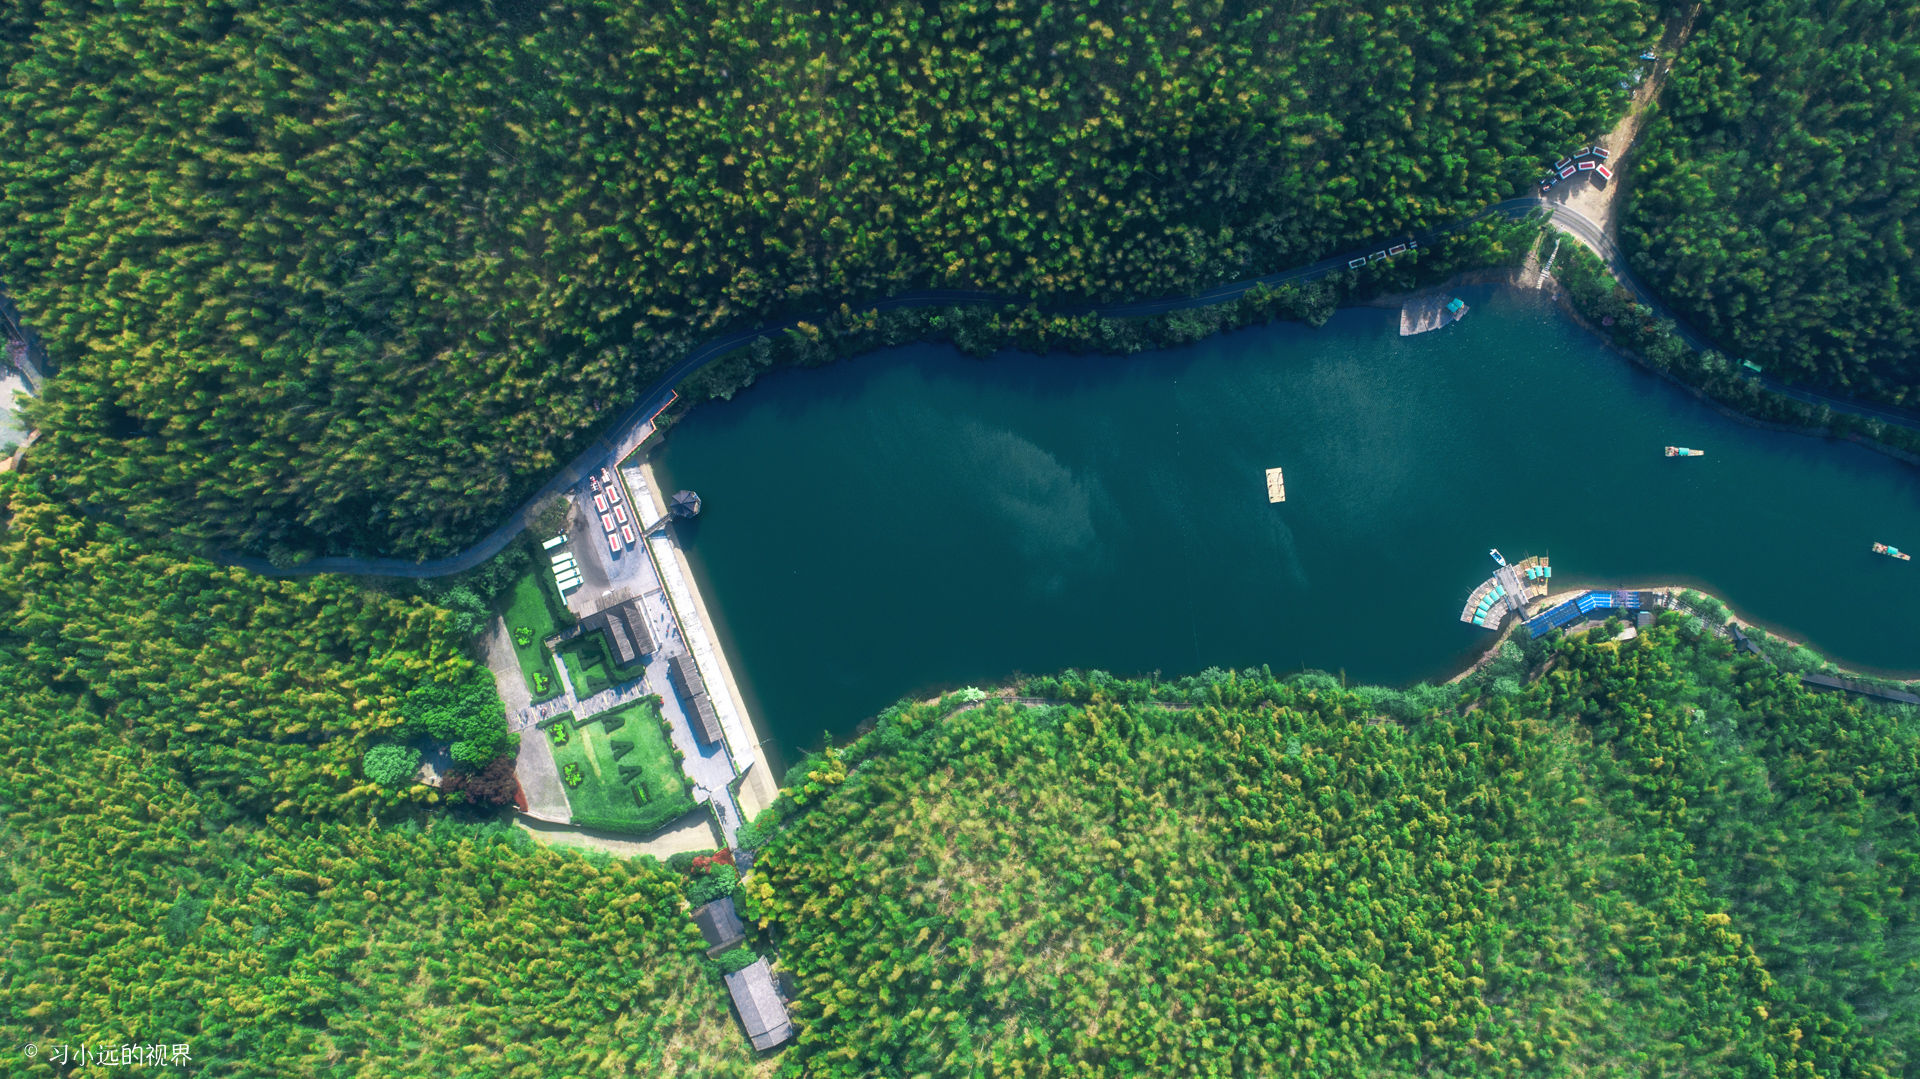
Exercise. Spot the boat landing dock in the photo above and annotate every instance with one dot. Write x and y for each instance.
(1508, 590)
(1430, 312)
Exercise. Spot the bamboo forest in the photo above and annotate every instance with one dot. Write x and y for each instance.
(379, 698)
(338, 275)
(1772, 206)
(1653, 859)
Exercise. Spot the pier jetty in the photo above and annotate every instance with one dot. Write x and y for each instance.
(1509, 590)
(1430, 312)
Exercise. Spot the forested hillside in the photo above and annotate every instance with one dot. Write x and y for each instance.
(1646, 857)
(1655, 860)
(1774, 199)
(351, 275)
(193, 855)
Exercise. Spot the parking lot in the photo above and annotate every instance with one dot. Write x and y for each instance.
(606, 576)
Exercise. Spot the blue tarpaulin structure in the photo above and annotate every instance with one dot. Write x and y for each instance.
(1578, 607)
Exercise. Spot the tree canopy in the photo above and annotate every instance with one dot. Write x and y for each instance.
(194, 856)
(1772, 198)
(347, 275)
(1656, 858)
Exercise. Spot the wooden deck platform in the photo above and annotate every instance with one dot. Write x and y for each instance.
(1429, 312)
(1509, 600)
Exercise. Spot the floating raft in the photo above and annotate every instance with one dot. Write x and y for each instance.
(1430, 312)
(1485, 607)
(1276, 485)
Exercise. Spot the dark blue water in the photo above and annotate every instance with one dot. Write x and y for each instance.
(917, 519)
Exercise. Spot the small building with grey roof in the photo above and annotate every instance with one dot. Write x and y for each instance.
(685, 675)
(625, 625)
(720, 925)
(757, 1000)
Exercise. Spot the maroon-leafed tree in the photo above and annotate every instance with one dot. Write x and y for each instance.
(494, 785)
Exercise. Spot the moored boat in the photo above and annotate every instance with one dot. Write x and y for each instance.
(1497, 558)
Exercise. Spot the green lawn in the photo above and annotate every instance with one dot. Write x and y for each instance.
(607, 797)
(529, 605)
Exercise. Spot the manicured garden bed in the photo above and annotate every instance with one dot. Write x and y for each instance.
(628, 778)
(591, 667)
(529, 610)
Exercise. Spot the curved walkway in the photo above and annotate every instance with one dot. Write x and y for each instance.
(605, 450)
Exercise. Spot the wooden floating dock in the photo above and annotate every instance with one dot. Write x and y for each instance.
(1430, 312)
(1276, 485)
(1490, 603)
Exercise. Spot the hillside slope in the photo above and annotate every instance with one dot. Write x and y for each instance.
(329, 275)
(1773, 203)
(1656, 859)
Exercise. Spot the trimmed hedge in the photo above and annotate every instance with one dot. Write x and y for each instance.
(649, 821)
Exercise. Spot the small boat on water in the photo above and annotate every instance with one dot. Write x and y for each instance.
(1498, 560)
(1682, 451)
(1892, 552)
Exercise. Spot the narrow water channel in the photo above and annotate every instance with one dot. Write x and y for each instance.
(917, 519)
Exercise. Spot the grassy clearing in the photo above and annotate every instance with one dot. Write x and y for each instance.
(529, 610)
(636, 756)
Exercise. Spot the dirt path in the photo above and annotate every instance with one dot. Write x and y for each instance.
(694, 833)
(13, 386)
(539, 776)
(1596, 200)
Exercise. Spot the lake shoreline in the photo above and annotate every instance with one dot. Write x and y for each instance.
(1565, 303)
(757, 787)
(1092, 511)
(1511, 278)
(1909, 676)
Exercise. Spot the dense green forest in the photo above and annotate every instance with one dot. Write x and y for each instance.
(1773, 200)
(1656, 859)
(352, 275)
(193, 854)
(1595, 858)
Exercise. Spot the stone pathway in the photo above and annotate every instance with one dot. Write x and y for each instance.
(534, 767)
(540, 780)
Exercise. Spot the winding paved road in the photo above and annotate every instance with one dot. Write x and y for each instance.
(1589, 232)
(605, 450)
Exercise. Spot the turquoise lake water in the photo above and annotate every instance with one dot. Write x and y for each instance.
(916, 519)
